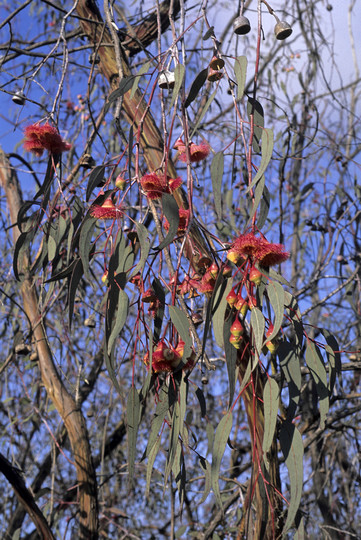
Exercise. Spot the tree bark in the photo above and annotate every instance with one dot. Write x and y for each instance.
(62, 399)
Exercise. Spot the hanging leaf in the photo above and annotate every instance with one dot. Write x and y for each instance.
(220, 301)
(202, 402)
(120, 317)
(276, 295)
(206, 467)
(171, 212)
(209, 33)
(334, 357)
(255, 108)
(231, 359)
(173, 440)
(144, 69)
(74, 280)
(292, 449)
(264, 208)
(217, 167)
(95, 178)
(142, 233)
(254, 203)
(258, 326)
(240, 72)
(204, 110)
(180, 321)
(318, 372)
(124, 86)
(271, 393)
(51, 248)
(179, 76)
(133, 418)
(130, 151)
(151, 458)
(219, 446)
(196, 86)
(85, 245)
(267, 149)
(109, 364)
(290, 365)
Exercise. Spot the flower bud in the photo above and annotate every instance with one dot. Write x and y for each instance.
(120, 182)
(235, 341)
(241, 305)
(231, 298)
(237, 328)
(255, 276)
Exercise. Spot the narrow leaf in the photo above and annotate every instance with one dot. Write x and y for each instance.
(318, 372)
(204, 110)
(85, 244)
(276, 295)
(219, 312)
(137, 77)
(179, 76)
(206, 466)
(270, 405)
(120, 318)
(133, 416)
(95, 178)
(231, 359)
(255, 108)
(240, 71)
(217, 167)
(171, 212)
(267, 149)
(258, 326)
(196, 86)
(219, 446)
(180, 321)
(144, 248)
(151, 458)
(124, 86)
(290, 365)
(292, 449)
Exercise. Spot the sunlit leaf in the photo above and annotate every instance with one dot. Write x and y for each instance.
(276, 296)
(120, 316)
(270, 404)
(258, 326)
(219, 312)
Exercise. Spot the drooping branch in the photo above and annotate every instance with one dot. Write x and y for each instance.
(138, 115)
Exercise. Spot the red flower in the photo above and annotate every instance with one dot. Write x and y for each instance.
(39, 138)
(258, 249)
(154, 185)
(183, 221)
(197, 152)
(106, 211)
(164, 359)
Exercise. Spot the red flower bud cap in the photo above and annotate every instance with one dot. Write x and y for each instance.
(255, 276)
(197, 152)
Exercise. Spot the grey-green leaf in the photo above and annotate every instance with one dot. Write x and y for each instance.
(240, 71)
(219, 446)
(217, 167)
(270, 404)
(292, 449)
(133, 416)
(318, 372)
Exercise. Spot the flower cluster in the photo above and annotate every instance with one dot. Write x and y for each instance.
(257, 249)
(154, 186)
(166, 358)
(46, 137)
(107, 210)
(197, 152)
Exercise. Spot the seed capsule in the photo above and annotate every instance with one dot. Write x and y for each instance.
(241, 25)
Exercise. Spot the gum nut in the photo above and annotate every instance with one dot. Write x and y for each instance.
(166, 79)
(241, 25)
(282, 30)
